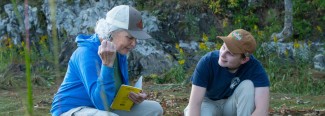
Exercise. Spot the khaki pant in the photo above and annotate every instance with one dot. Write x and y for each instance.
(241, 103)
(146, 108)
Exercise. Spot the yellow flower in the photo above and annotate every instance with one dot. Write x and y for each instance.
(181, 51)
(10, 45)
(255, 27)
(319, 28)
(296, 44)
(205, 37)
(181, 62)
(202, 46)
(43, 39)
(233, 3)
(177, 46)
(22, 43)
(275, 39)
(260, 33)
(215, 5)
(9, 39)
(224, 23)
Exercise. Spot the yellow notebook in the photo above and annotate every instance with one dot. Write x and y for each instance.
(121, 100)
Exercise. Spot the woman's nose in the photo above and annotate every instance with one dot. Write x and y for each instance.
(134, 42)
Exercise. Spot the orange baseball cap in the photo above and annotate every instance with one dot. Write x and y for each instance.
(240, 41)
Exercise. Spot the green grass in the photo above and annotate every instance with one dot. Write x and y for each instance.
(12, 102)
(173, 98)
(293, 104)
(293, 77)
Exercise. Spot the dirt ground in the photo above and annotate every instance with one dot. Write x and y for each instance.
(172, 97)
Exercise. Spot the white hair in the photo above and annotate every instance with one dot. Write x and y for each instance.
(104, 29)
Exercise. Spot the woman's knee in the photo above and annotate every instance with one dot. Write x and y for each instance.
(158, 107)
(154, 107)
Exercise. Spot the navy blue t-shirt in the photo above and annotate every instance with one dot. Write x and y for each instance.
(219, 82)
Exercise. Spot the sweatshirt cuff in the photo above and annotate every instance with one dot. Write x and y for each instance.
(106, 74)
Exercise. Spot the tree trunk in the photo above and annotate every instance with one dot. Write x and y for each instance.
(288, 28)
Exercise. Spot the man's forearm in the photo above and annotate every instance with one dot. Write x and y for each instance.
(260, 113)
(194, 110)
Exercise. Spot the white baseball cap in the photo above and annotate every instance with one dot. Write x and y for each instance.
(127, 17)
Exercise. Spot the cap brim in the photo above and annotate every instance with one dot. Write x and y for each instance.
(231, 45)
(139, 34)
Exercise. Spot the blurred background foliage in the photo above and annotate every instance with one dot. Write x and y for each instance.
(262, 19)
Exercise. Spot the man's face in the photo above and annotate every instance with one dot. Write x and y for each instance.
(228, 59)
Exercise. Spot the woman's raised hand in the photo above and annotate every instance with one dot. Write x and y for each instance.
(107, 52)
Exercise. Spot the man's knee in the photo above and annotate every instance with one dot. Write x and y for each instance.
(246, 84)
(246, 87)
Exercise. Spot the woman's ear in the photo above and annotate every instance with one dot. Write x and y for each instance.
(244, 60)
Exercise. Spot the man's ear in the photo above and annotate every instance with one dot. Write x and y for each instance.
(244, 60)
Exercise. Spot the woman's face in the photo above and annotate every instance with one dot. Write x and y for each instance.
(228, 59)
(124, 42)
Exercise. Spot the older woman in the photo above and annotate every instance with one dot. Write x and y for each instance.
(98, 67)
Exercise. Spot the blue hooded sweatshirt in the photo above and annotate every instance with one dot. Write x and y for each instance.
(86, 78)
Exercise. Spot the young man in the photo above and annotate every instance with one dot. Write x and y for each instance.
(230, 81)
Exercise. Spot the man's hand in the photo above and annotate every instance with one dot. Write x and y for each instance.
(107, 52)
(137, 98)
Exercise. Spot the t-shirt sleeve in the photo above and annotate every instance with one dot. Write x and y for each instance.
(201, 73)
(260, 77)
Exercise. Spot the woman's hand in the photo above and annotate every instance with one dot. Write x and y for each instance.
(137, 97)
(107, 52)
